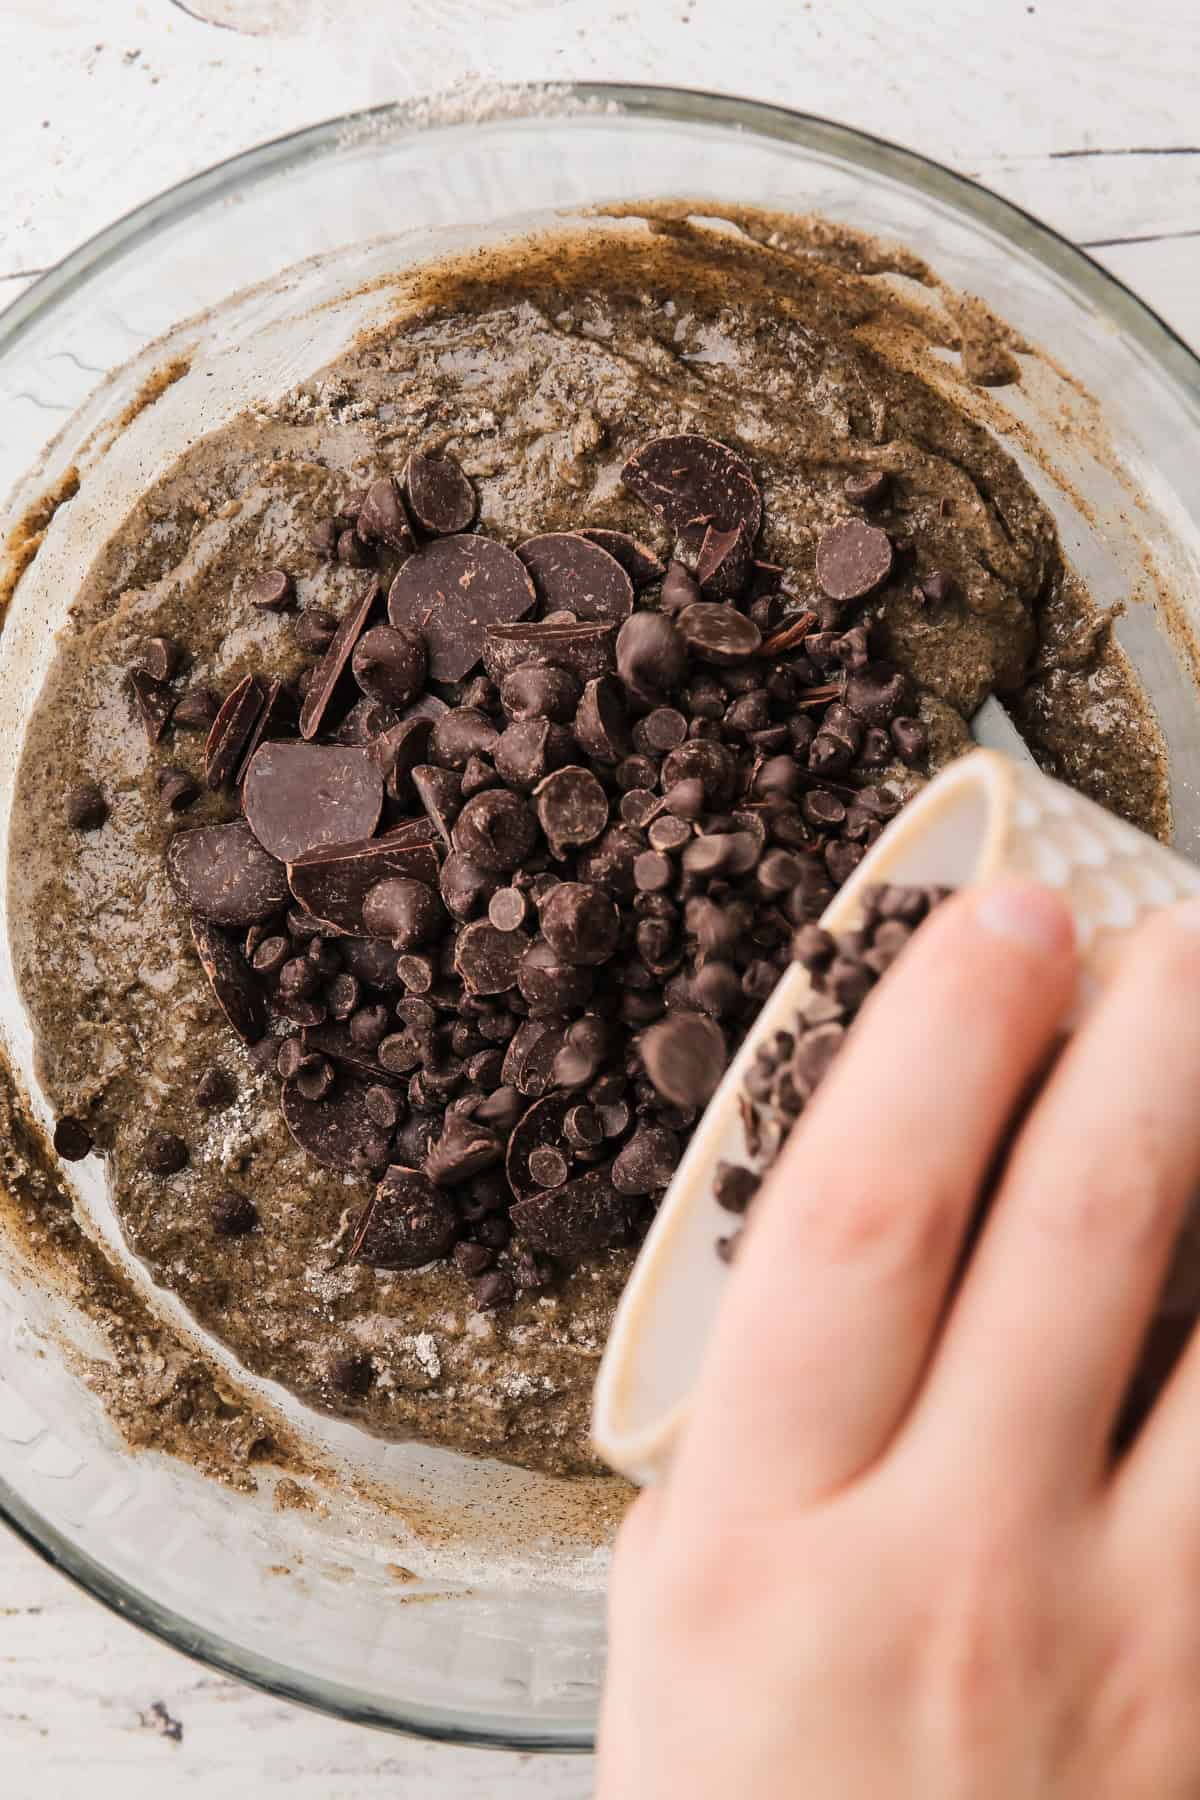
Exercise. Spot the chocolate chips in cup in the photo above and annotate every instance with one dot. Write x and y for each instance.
(497, 901)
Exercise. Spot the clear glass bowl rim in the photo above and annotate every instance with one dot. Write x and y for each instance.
(1073, 267)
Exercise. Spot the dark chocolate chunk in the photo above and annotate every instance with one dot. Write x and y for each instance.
(586, 1215)
(273, 591)
(399, 750)
(196, 710)
(389, 664)
(493, 1290)
(718, 632)
(639, 563)
(87, 809)
(332, 883)
(223, 873)
(877, 692)
(585, 649)
(723, 565)
(381, 516)
(685, 1058)
(853, 559)
(301, 797)
(337, 1130)
(315, 630)
(488, 959)
(496, 829)
(651, 655)
(237, 992)
(407, 1223)
(440, 497)
(333, 664)
(580, 923)
(408, 912)
(72, 1139)
(574, 575)
(164, 1153)
(232, 729)
(647, 1161)
(155, 702)
(451, 590)
(690, 480)
(464, 1149)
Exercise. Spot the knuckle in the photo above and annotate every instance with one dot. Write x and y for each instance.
(875, 1214)
(1124, 1193)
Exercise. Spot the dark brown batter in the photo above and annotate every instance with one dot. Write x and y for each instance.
(540, 373)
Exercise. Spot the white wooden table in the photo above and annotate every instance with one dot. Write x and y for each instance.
(1089, 123)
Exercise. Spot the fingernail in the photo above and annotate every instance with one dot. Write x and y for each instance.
(1027, 915)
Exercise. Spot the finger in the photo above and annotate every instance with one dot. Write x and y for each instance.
(1044, 1332)
(838, 1291)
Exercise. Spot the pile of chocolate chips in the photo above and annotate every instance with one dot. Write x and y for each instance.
(790, 1066)
(521, 857)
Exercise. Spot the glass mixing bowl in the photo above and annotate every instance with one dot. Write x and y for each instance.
(417, 1590)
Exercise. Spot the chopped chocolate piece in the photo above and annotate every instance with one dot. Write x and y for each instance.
(575, 575)
(734, 1188)
(651, 655)
(451, 591)
(497, 830)
(853, 559)
(551, 986)
(302, 797)
(723, 565)
(162, 658)
(332, 884)
(196, 710)
(87, 809)
(488, 959)
(464, 1150)
(381, 516)
(408, 912)
(492, 1291)
(718, 632)
(389, 663)
(315, 630)
(869, 488)
(466, 887)
(232, 729)
(164, 1153)
(580, 923)
(440, 497)
(529, 749)
(586, 1215)
(440, 793)
(399, 749)
(72, 1139)
(337, 1131)
(685, 1058)
(690, 480)
(540, 691)
(273, 591)
(647, 1161)
(214, 1090)
(237, 993)
(473, 1259)
(640, 564)
(911, 740)
(155, 702)
(407, 1223)
(333, 664)
(223, 873)
(585, 649)
(572, 808)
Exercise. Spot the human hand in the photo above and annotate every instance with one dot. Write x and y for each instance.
(895, 1556)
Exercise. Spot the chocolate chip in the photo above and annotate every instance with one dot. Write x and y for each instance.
(572, 808)
(399, 750)
(575, 575)
(231, 730)
(351, 550)
(734, 1188)
(72, 1139)
(177, 788)
(490, 1292)
(162, 658)
(551, 986)
(718, 632)
(537, 691)
(466, 887)
(685, 1058)
(382, 518)
(334, 662)
(876, 693)
(440, 497)
(935, 589)
(450, 591)
(232, 1215)
(315, 630)
(496, 829)
(301, 797)
(223, 873)
(640, 564)
(164, 1153)
(653, 872)
(195, 710)
(389, 664)
(368, 1026)
(585, 649)
(853, 559)
(584, 1216)
(715, 989)
(647, 1161)
(723, 565)
(818, 1046)
(323, 538)
(507, 909)
(690, 479)
(869, 488)
(473, 1259)
(459, 734)
(273, 591)
(529, 749)
(336, 1131)
(911, 740)
(711, 764)
(407, 1223)
(342, 996)
(352, 1376)
(408, 912)
(87, 809)
(580, 923)
(332, 883)
(214, 1090)
(440, 793)
(488, 959)
(679, 589)
(383, 1107)
(548, 1166)
(651, 654)
(155, 702)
